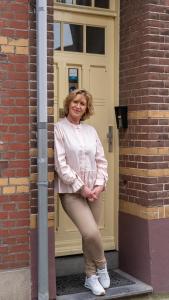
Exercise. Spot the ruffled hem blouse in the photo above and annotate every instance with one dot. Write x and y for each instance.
(79, 157)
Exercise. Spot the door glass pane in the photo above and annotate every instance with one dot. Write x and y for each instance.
(101, 3)
(65, 1)
(57, 36)
(73, 37)
(73, 79)
(95, 40)
(84, 2)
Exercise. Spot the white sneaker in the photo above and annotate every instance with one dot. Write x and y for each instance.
(94, 285)
(103, 277)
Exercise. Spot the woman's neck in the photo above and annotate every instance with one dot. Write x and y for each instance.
(72, 120)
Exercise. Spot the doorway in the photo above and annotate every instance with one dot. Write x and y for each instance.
(86, 56)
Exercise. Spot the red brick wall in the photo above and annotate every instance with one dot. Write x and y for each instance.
(14, 135)
(144, 146)
(18, 137)
(144, 87)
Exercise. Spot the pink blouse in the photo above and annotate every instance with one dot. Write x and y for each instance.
(79, 157)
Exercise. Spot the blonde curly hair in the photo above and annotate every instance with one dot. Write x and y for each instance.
(89, 99)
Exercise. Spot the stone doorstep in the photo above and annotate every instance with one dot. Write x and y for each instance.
(137, 288)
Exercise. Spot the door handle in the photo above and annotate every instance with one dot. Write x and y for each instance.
(110, 138)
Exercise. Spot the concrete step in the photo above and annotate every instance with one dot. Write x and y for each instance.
(70, 280)
(70, 287)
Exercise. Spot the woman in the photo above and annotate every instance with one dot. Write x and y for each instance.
(82, 176)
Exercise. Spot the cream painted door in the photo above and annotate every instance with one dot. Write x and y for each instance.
(96, 73)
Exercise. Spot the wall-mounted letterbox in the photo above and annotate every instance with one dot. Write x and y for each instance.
(121, 116)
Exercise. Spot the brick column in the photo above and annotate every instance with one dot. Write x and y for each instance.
(144, 146)
(14, 150)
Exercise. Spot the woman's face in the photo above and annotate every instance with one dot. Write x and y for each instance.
(77, 108)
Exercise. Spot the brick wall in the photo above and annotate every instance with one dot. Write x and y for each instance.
(144, 87)
(14, 135)
(144, 146)
(18, 140)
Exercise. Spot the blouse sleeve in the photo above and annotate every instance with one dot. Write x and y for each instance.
(64, 171)
(101, 162)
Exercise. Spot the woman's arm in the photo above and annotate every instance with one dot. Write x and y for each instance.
(65, 172)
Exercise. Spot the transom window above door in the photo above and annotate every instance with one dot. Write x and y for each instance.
(79, 38)
(91, 3)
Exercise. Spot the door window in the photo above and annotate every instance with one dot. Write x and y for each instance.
(79, 38)
(73, 79)
(73, 37)
(95, 3)
(65, 1)
(95, 37)
(84, 2)
(57, 36)
(101, 3)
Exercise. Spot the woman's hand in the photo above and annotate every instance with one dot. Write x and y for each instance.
(86, 192)
(92, 195)
(97, 191)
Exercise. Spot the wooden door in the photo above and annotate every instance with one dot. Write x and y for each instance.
(92, 68)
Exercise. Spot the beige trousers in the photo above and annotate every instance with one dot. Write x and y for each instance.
(86, 215)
